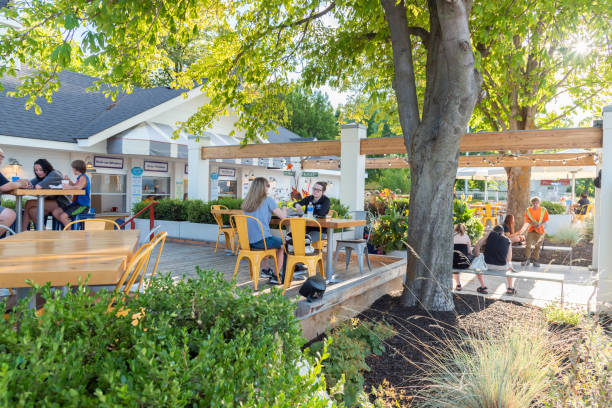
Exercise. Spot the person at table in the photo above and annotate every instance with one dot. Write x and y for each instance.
(7, 216)
(81, 203)
(508, 226)
(320, 204)
(536, 217)
(259, 205)
(45, 177)
(497, 253)
(582, 204)
(462, 259)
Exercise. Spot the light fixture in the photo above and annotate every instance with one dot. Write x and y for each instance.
(15, 165)
(88, 163)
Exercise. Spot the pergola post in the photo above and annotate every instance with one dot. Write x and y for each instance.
(352, 175)
(604, 216)
(198, 170)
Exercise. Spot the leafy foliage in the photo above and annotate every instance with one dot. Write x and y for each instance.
(462, 213)
(187, 210)
(397, 180)
(341, 209)
(309, 114)
(194, 342)
(350, 344)
(570, 234)
(584, 186)
(553, 208)
(474, 229)
(390, 231)
(558, 314)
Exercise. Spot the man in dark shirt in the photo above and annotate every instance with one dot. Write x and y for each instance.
(7, 216)
(497, 252)
(582, 204)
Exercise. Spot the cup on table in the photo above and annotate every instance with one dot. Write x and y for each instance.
(15, 178)
(65, 183)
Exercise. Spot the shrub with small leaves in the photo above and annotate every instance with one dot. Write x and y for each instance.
(350, 344)
(195, 342)
(557, 314)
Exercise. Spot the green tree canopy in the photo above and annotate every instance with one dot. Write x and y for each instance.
(309, 114)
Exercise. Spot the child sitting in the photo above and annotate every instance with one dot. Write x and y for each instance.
(80, 203)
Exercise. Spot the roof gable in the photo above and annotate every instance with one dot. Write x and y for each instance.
(74, 113)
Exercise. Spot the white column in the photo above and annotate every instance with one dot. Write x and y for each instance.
(352, 165)
(597, 203)
(604, 216)
(199, 170)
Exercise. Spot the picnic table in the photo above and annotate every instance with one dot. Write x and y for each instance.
(330, 224)
(65, 257)
(40, 194)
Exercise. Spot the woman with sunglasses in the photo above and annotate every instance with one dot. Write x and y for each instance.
(320, 203)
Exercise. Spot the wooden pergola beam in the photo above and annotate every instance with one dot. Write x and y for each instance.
(528, 160)
(581, 138)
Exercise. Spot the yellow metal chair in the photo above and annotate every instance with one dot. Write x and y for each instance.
(298, 236)
(489, 214)
(584, 211)
(227, 230)
(254, 256)
(94, 224)
(134, 271)
(159, 239)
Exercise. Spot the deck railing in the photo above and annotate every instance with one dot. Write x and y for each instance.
(151, 208)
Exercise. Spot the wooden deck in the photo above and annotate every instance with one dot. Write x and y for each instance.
(181, 259)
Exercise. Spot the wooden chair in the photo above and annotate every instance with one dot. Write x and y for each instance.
(254, 256)
(298, 236)
(227, 230)
(93, 224)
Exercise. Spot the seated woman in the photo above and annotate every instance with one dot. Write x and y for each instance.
(45, 177)
(582, 205)
(497, 253)
(257, 204)
(81, 203)
(321, 205)
(508, 226)
(461, 239)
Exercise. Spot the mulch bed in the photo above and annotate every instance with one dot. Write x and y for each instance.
(582, 254)
(400, 370)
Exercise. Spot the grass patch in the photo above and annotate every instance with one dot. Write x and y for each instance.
(568, 235)
(512, 370)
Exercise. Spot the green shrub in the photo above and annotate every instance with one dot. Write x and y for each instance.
(557, 314)
(389, 230)
(199, 342)
(462, 213)
(553, 208)
(512, 370)
(187, 210)
(474, 229)
(350, 344)
(340, 208)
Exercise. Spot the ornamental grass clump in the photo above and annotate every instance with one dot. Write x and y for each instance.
(512, 370)
(194, 342)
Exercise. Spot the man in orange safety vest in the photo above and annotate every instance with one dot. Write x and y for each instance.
(535, 218)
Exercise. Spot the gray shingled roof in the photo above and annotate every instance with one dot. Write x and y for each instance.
(74, 113)
(3, 3)
(285, 136)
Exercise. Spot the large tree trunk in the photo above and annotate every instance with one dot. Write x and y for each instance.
(519, 187)
(433, 143)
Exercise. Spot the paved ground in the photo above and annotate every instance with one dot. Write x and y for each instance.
(181, 259)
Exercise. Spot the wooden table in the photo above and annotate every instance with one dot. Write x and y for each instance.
(65, 257)
(327, 223)
(40, 195)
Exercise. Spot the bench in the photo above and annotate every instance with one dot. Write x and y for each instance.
(554, 248)
(533, 275)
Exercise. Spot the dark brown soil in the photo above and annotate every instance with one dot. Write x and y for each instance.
(400, 370)
(582, 254)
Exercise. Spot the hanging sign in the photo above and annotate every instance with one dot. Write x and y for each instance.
(108, 162)
(310, 174)
(227, 172)
(161, 167)
(289, 173)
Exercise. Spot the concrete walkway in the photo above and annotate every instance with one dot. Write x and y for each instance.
(578, 288)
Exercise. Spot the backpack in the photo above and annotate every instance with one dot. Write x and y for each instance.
(308, 250)
(461, 258)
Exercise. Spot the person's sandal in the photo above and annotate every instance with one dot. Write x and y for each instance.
(510, 291)
(458, 287)
(483, 290)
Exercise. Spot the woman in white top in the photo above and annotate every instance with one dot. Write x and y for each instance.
(460, 236)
